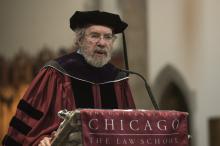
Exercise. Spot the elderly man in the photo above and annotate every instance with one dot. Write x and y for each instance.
(82, 79)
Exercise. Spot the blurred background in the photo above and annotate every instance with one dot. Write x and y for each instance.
(174, 44)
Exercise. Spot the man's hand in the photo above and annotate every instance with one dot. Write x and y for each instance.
(46, 141)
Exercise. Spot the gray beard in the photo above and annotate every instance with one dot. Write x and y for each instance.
(96, 62)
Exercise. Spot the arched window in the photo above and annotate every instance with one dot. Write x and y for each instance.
(172, 93)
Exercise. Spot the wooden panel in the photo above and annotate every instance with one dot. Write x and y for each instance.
(214, 131)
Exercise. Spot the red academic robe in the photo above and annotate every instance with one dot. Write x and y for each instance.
(51, 91)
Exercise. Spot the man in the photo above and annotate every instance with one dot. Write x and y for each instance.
(83, 79)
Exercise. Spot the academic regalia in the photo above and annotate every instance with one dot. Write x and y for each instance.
(65, 83)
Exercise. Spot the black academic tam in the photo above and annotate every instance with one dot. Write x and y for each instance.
(81, 19)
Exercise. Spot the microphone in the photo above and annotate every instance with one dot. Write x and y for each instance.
(146, 86)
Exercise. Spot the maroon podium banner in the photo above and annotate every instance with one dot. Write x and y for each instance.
(134, 128)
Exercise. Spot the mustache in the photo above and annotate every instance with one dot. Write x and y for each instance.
(101, 49)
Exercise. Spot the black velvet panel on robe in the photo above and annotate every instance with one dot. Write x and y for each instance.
(84, 98)
(83, 94)
(108, 96)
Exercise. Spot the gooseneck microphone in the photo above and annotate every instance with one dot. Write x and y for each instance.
(146, 86)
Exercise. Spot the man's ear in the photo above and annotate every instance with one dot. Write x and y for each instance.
(80, 41)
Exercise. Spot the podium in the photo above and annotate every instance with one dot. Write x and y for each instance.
(123, 128)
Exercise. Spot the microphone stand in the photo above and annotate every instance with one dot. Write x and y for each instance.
(146, 86)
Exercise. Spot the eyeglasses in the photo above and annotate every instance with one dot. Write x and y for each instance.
(95, 37)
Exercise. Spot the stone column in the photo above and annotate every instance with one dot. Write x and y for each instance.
(134, 13)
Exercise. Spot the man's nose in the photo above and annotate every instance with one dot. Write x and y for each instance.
(101, 42)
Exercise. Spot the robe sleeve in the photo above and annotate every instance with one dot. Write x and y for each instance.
(36, 114)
